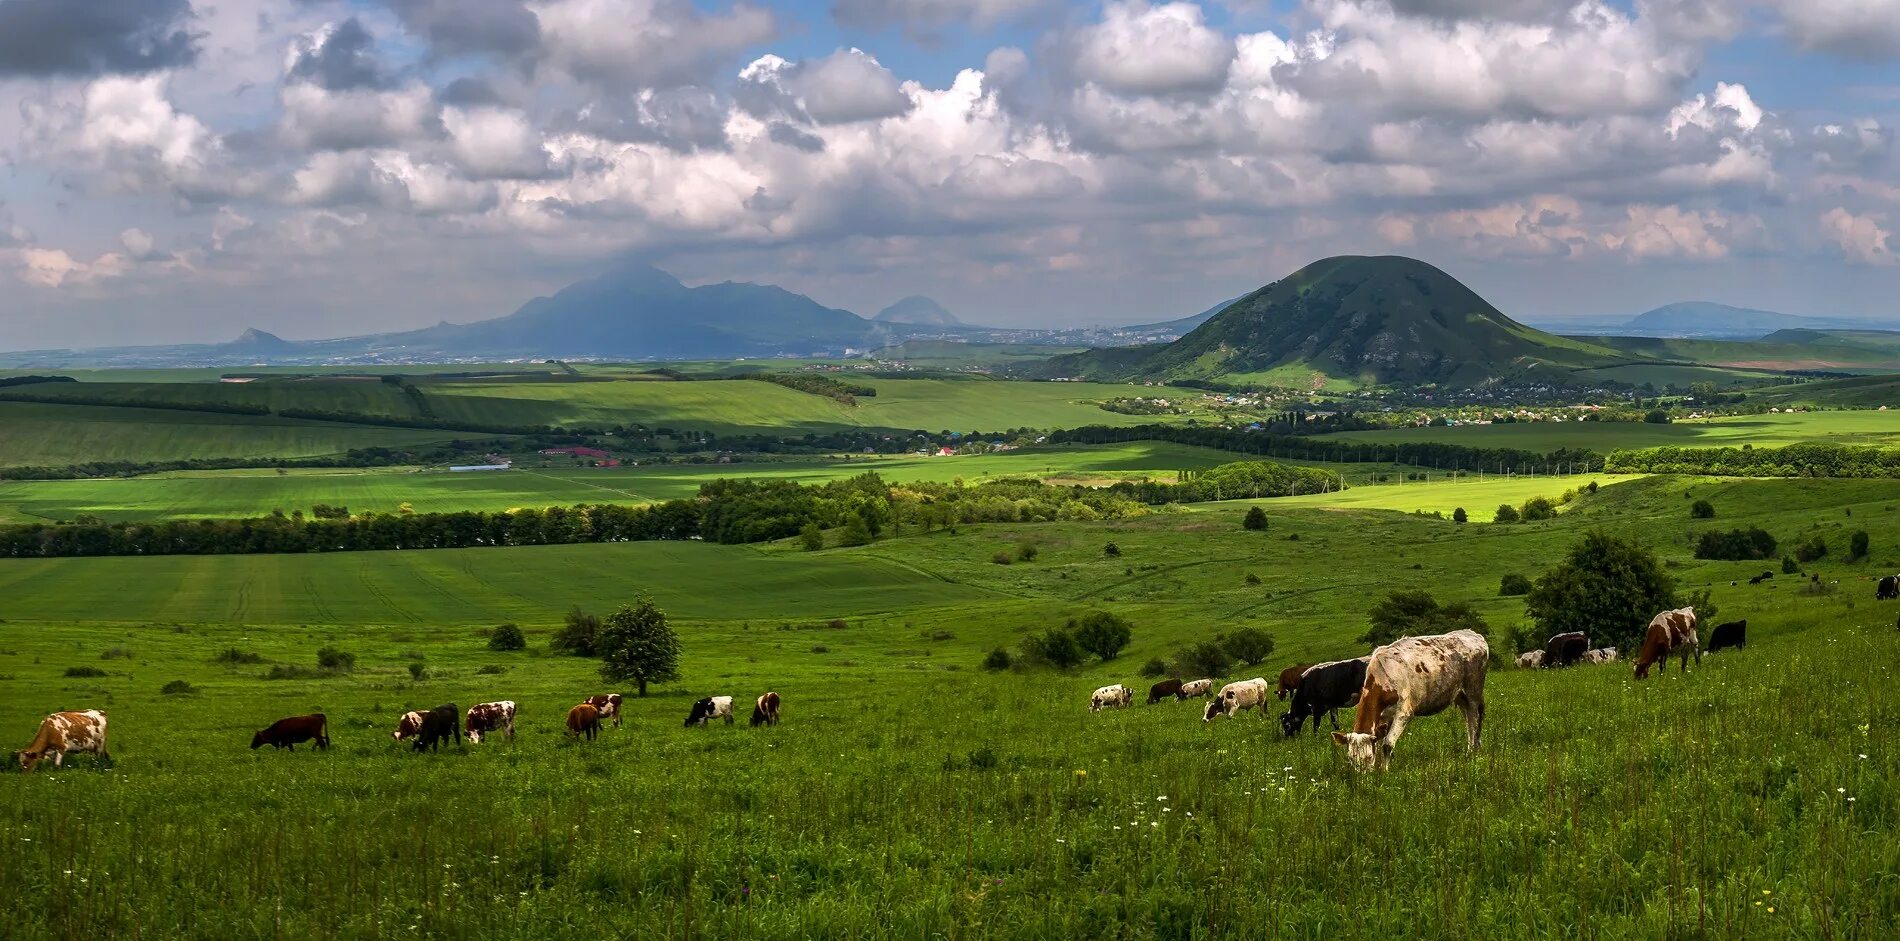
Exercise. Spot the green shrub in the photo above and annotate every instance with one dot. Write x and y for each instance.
(1256, 519)
(335, 661)
(997, 659)
(1459, 515)
(1514, 584)
(116, 653)
(1736, 545)
(231, 656)
(1788, 566)
(1002, 557)
(179, 688)
(490, 669)
(507, 637)
(418, 672)
(1026, 551)
(1249, 645)
(1103, 634)
(811, 537)
(1155, 667)
(85, 672)
(1607, 587)
(1537, 508)
(1702, 510)
(1055, 647)
(1204, 659)
(1506, 514)
(1412, 613)
(579, 635)
(1811, 550)
(1112, 550)
(1252, 579)
(1857, 546)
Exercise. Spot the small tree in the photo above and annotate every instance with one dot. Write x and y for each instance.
(1256, 519)
(1606, 587)
(507, 637)
(1788, 566)
(1537, 508)
(1702, 510)
(1249, 645)
(811, 537)
(1656, 417)
(998, 659)
(1412, 613)
(1054, 647)
(1857, 546)
(1026, 551)
(1153, 668)
(1103, 634)
(856, 532)
(1459, 516)
(578, 636)
(1514, 584)
(1112, 550)
(637, 644)
(1204, 659)
(1506, 514)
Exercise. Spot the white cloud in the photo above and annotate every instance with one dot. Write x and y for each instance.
(496, 144)
(1140, 49)
(848, 85)
(1706, 113)
(316, 118)
(1859, 237)
(646, 42)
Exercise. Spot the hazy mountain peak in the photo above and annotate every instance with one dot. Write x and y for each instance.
(917, 309)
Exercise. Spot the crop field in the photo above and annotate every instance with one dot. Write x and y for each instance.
(1863, 426)
(909, 793)
(35, 434)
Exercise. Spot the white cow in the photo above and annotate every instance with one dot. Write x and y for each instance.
(1600, 655)
(1533, 659)
(710, 708)
(1416, 676)
(1111, 697)
(1196, 688)
(1237, 696)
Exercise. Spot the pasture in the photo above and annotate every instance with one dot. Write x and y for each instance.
(35, 434)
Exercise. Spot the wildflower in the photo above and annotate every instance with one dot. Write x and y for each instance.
(1771, 909)
(1162, 797)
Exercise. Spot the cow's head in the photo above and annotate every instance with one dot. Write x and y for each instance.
(1213, 709)
(701, 710)
(258, 739)
(1365, 751)
(1289, 724)
(26, 759)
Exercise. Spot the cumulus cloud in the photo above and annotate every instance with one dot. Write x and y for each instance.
(62, 37)
(505, 28)
(338, 95)
(848, 85)
(1706, 112)
(496, 144)
(1859, 237)
(1149, 50)
(646, 42)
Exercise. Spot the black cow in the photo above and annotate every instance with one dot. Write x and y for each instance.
(1889, 587)
(439, 725)
(1165, 689)
(1324, 689)
(1564, 650)
(1733, 634)
(288, 733)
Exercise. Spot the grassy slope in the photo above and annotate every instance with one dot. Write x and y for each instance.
(903, 797)
(32, 434)
(1848, 427)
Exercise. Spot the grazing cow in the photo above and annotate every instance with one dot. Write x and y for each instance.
(1733, 634)
(487, 717)
(1671, 632)
(584, 721)
(1193, 688)
(438, 726)
(63, 733)
(1238, 696)
(710, 708)
(765, 711)
(1530, 660)
(1290, 680)
(1325, 689)
(1111, 697)
(409, 725)
(1888, 588)
(1601, 655)
(1166, 689)
(1563, 650)
(1758, 579)
(1412, 677)
(287, 733)
(608, 705)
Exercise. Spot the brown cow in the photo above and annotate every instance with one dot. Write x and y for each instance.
(64, 732)
(1290, 679)
(608, 705)
(1671, 632)
(584, 721)
(409, 725)
(765, 711)
(286, 733)
(490, 717)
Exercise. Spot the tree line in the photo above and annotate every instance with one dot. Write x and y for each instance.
(1795, 460)
(1345, 451)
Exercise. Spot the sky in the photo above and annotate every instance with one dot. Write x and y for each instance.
(181, 170)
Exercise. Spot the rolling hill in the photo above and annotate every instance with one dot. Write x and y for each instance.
(1352, 320)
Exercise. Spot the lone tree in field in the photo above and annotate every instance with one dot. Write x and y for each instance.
(637, 644)
(1459, 515)
(1249, 645)
(507, 637)
(1103, 634)
(1256, 519)
(1606, 587)
(1702, 510)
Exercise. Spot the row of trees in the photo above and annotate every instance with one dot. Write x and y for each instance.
(1343, 450)
(1795, 460)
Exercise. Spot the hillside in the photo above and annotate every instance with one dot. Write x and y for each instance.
(1353, 320)
(919, 311)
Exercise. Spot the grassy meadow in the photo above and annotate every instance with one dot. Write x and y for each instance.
(35, 434)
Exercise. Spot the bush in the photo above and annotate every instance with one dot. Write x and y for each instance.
(1788, 566)
(1256, 519)
(1103, 634)
(1593, 487)
(1857, 546)
(1736, 545)
(84, 672)
(232, 656)
(836, 624)
(1459, 515)
(1249, 645)
(1812, 550)
(179, 688)
(1514, 584)
(1026, 551)
(335, 661)
(1055, 647)
(820, 648)
(116, 653)
(1206, 658)
(637, 644)
(1524, 638)
(1112, 550)
(997, 659)
(490, 669)
(1002, 557)
(284, 671)
(1657, 417)
(1702, 510)
(1537, 508)
(1506, 514)
(811, 537)
(579, 635)
(856, 532)
(507, 637)
(418, 672)
(1412, 613)
(1155, 667)
(1252, 579)
(1606, 587)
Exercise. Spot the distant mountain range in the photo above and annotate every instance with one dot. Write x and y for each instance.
(1709, 320)
(918, 310)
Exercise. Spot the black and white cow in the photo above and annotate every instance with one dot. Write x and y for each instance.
(710, 708)
(1888, 588)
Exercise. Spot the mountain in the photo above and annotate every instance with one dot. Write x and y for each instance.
(258, 341)
(918, 310)
(1184, 324)
(1384, 319)
(1706, 319)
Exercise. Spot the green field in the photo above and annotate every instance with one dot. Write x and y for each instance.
(1863, 426)
(33, 434)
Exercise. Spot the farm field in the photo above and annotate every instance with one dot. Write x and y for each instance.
(909, 793)
(34, 434)
(1863, 426)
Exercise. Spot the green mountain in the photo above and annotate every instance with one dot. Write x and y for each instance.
(1353, 320)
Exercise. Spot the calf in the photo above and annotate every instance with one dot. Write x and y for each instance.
(287, 733)
(584, 721)
(1411, 677)
(487, 717)
(408, 726)
(1671, 632)
(1290, 680)
(438, 726)
(1733, 634)
(765, 711)
(64, 733)
(1325, 688)
(710, 708)
(608, 705)
(1601, 655)
(1196, 688)
(1530, 659)
(1564, 650)
(1166, 689)
(1888, 588)
(1111, 697)
(1236, 697)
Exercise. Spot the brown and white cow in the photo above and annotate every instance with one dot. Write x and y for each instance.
(584, 721)
(487, 717)
(765, 710)
(1670, 633)
(1236, 697)
(1530, 660)
(409, 726)
(1110, 697)
(1601, 655)
(1412, 677)
(65, 732)
(1193, 688)
(608, 706)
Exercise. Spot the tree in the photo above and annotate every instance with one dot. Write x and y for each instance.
(1702, 510)
(1514, 584)
(1736, 545)
(1054, 647)
(1857, 545)
(1506, 514)
(1812, 550)
(1204, 659)
(1788, 566)
(856, 532)
(1103, 634)
(1249, 645)
(1657, 416)
(578, 636)
(1537, 508)
(507, 637)
(1459, 516)
(637, 644)
(1413, 613)
(1256, 519)
(1607, 587)
(811, 537)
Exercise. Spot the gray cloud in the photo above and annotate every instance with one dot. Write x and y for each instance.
(91, 37)
(500, 27)
(339, 57)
